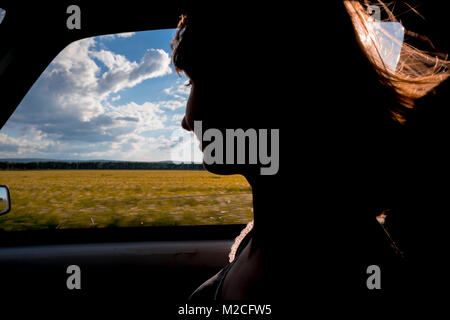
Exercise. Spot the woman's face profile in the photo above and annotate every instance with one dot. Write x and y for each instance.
(196, 112)
(193, 112)
(188, 120)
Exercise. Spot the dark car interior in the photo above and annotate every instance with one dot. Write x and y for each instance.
(163, 263)
(153, 263)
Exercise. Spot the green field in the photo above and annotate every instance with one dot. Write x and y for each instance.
(63, 199)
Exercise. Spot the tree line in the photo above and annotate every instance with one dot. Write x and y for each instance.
(99, 165)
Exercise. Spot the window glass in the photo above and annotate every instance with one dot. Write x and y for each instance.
(97, 142)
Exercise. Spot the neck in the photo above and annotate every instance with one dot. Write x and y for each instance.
(266, 211)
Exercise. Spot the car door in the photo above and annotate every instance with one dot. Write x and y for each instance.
(68, 232)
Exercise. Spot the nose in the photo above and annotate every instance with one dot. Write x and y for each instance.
(185, 125)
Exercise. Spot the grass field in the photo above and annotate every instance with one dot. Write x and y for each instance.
(104, 198)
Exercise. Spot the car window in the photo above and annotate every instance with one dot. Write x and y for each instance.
(97, 142)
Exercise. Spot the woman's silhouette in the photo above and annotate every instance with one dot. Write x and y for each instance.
(343, 143)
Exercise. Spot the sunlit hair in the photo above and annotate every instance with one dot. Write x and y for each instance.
(417, 71)
(178, 50)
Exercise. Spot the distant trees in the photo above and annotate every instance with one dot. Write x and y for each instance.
(99, 165)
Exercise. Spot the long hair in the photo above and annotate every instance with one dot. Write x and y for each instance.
(417, 72)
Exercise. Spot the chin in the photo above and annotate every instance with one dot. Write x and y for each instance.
(227, 169)
(220, 169)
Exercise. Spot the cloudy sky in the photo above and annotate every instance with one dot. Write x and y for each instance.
(112, 97)
(117, 97)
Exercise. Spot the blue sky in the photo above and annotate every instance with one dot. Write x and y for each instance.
(110, 97)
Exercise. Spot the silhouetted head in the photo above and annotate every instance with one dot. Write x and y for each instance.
(235, 62)
(336, 107)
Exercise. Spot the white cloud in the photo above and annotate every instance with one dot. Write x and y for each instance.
(69, 101)
(172, 104)
(177, 117)
(178, 92)
(67, 112)
(12, 146)
(143, 117)
(117, 35)
(184, 147)
(125, 34)
(112, 60)
(125, 74)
